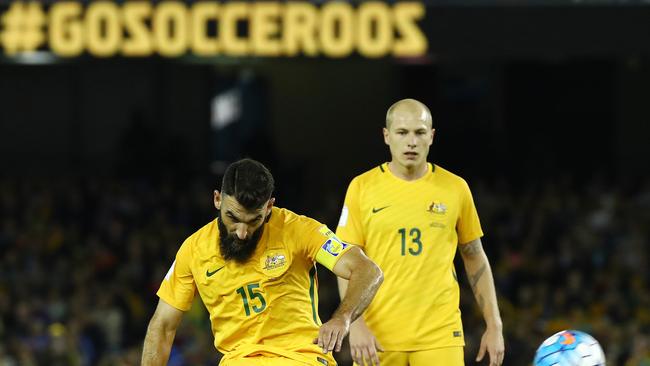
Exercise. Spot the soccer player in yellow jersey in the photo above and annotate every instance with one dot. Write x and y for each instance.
(410, 216)
(254, 269)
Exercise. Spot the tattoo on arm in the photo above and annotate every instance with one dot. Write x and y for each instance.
(475, 277)
(470, 249)
(473, 281)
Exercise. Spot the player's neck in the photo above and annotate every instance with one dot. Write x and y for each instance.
(408, 173)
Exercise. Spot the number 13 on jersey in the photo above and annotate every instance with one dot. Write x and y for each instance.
(412, 236)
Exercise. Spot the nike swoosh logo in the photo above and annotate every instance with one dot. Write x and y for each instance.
(375, 210)
(209, 274)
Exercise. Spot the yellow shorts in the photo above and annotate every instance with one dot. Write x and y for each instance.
(257, 355)
(446, 356)
(276, 361)
(262, 361)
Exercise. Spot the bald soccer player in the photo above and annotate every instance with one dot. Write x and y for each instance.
(410, 216)
(254, 269)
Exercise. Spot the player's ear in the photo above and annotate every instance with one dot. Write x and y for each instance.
(269, 204)
(433, 132)
(385, 131)
(217, 199)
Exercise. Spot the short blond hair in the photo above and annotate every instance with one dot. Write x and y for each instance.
(408, 106)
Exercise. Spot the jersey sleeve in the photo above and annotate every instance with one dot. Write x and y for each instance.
(468, 225)
(322, 245)
(178, 287)
(331, 248)
(349, 229)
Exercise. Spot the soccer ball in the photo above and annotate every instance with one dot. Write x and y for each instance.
(570, 348)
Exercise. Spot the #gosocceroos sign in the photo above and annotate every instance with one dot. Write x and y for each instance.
(238, 29)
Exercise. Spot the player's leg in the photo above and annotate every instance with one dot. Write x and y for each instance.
(446, 356)
(391, 359)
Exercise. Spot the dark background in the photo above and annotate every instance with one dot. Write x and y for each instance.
(544, 110)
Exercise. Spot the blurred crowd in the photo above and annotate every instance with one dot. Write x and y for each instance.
(568, 254)
(81, 260)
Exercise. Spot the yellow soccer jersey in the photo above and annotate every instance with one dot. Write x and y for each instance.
(268, 305)
(411, 230)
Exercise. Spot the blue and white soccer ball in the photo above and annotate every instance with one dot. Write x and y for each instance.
(570, 348)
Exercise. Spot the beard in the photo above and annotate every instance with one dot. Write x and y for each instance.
(241, 250)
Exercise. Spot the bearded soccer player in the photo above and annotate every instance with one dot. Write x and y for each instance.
(410, 217)
(254, 268)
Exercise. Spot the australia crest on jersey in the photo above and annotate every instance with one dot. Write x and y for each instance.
(274, 262)
(437, 208)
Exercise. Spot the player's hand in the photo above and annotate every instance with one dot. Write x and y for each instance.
(363, 344)
(331, 334)
(492, 342)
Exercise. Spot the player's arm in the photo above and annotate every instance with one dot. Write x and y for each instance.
(343, 289)
(364, 278)
(363, 343)
(480, 278)
(160, 334)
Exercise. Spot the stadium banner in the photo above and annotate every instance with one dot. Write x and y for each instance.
(170, 29)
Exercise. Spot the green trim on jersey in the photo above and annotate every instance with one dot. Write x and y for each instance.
(381, 167)
(312, 290)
